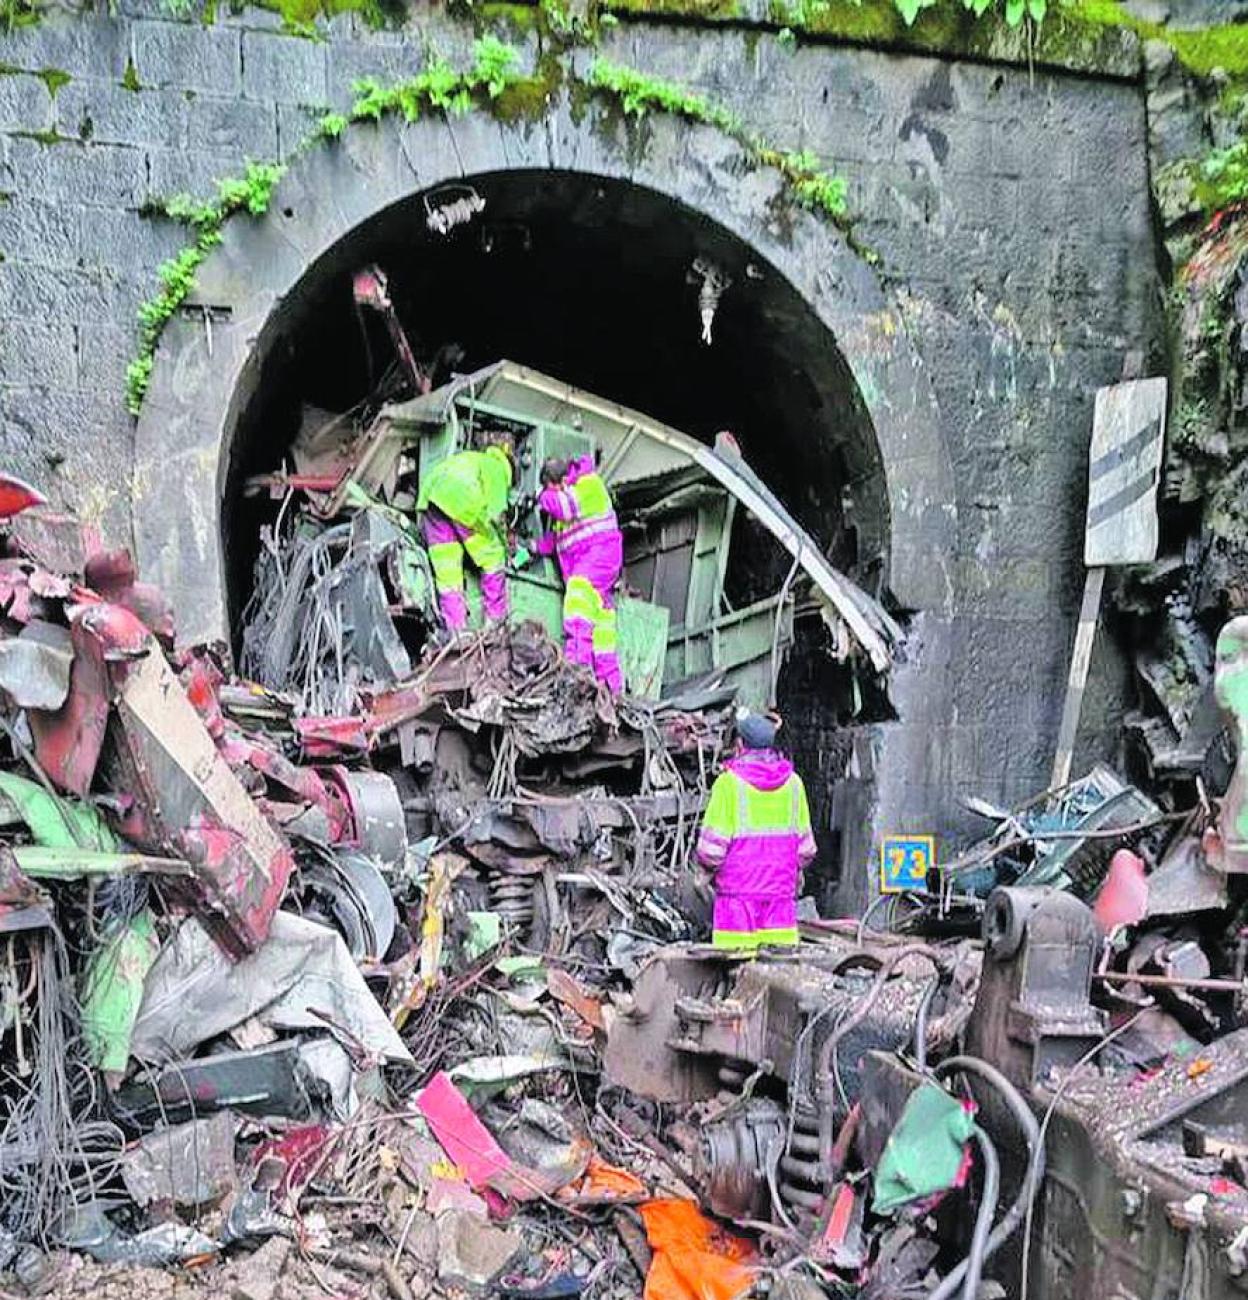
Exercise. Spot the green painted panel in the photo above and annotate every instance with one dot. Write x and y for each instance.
(54, 822)
(112, 991)
(536, 594)
(642, 630)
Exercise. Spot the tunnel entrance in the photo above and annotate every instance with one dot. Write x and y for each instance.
(608, 286)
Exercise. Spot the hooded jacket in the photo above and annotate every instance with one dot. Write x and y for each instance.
(469, 487)
(756, 833)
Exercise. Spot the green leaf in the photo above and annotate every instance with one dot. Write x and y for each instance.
(1014, 10)
(909, 10)
(1037, 9)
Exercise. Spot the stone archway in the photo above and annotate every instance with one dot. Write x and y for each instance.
(207, 366)
(210, 364)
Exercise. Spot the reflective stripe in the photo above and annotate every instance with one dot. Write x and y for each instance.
(587, 505)
(487, 549)
(604, 630)
(747, 795)
(752, 822)
(567, 534)
(447, 561)
(739, 939)
(581, 600)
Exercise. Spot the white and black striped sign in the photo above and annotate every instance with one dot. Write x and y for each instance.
(1124, 469)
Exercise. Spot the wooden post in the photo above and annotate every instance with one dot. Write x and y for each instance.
(1080, 662)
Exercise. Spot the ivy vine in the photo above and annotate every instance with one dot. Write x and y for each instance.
(249, 193)
(638, 94)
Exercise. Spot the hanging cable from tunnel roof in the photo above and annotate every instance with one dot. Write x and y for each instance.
(715, 283)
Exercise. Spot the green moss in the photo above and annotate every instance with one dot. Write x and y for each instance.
(49, 137)
(704, 9)
(54, 79)
(1022, 31)
(518, 19)
(527, 98)
(130, 78)
(1202, 51)
(15, 14)
(300, 17)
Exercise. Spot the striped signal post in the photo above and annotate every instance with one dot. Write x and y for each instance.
(1124, 471)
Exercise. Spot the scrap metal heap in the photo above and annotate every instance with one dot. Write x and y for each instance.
(377, 970)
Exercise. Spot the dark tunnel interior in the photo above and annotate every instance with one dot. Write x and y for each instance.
(595, 282)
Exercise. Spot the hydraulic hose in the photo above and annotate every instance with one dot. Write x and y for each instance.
(983, 1220)
(920, 1025)
(1026, 1121)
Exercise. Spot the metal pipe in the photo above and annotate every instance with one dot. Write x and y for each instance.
(1170, 982)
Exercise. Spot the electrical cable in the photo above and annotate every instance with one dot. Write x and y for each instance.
(989, 1196)
(1031, 1179)
(920, 1025)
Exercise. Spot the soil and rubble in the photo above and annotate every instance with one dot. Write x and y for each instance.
(380, 968)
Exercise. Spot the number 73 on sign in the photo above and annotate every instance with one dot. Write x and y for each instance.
(905, 861)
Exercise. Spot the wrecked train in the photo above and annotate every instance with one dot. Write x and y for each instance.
(399, 940)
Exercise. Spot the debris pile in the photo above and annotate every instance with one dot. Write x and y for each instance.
(239, 982)
(379, 969)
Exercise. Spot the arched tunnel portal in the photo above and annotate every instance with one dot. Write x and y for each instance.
(587, 264)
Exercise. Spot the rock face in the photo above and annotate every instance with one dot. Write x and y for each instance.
(1009, 209)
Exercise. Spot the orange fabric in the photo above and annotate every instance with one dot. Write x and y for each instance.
(602, 1179)
(603, 1182)
(694, 1259)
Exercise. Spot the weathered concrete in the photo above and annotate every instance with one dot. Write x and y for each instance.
(1007, 209)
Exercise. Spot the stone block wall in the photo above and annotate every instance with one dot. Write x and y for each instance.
(1009, 208)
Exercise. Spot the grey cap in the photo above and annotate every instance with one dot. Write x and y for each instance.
(756, 730)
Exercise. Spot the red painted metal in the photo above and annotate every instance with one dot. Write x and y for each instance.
(68, 741)
(16, 496)
(330, 737)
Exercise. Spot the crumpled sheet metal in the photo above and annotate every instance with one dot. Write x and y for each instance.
(54, 823)
(69, 739)
(188, 1164)
(62, 543)
(194, 993)
(1183, 882)
(23, 905)
(189, 801)
(112, 992)
(270, 1080)
(35, 666)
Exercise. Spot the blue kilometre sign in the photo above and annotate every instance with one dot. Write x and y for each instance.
(905, 861)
